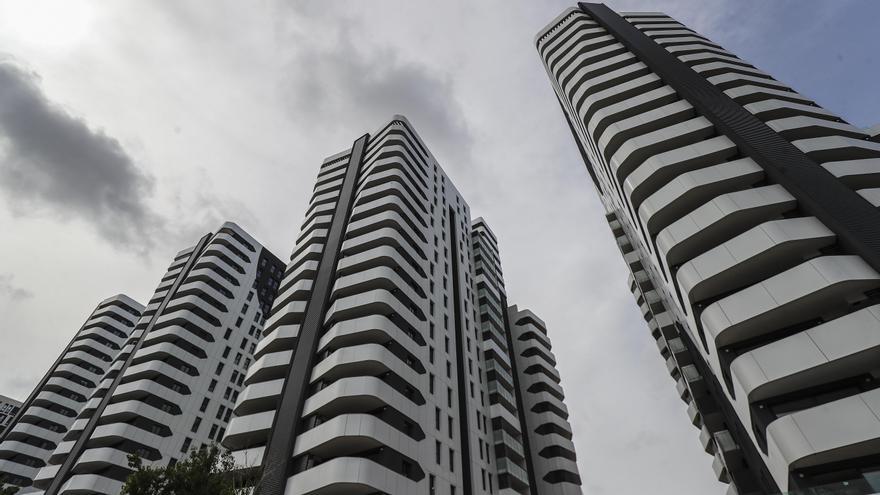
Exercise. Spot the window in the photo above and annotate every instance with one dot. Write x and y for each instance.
(438, 452)
(449, 396)
(204, 406)
(227, 393)
(213, 432)
(448, 369)
(227, 334)
(238, 322)
(220, 412)
(432, 484)
(226, 352)
(446, 343)
(212, 385)
(431, 383)
(237, 358)
(450, 426)
(243, 343)
(431, 355)
(451, 461)
(196, 424)
(186, 444)
(437, 418)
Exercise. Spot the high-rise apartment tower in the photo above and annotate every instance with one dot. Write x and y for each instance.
(48, 413)
(371, 375)
(748, 217)
(171, 381)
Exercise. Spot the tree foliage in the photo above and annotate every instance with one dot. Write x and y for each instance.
(8, 490)
(206, 471)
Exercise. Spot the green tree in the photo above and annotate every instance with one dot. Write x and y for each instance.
(8, 490)
(206, 471)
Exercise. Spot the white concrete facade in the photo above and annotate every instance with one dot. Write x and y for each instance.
(739, 285)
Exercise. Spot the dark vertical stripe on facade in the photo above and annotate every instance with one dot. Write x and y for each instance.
(285, 427)
(520, 409)
(855, 221)
(85, 436)
(463, 411)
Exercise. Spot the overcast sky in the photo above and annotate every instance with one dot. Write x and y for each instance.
(130, 128)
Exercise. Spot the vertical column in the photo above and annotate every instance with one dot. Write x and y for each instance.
(285, 428)
(463, 411)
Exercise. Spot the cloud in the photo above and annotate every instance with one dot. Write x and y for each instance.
(11, 291)
(332, 77)
(53, 161)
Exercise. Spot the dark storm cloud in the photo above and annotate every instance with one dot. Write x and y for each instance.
(53, 161)
(349, 82)
(9, 290)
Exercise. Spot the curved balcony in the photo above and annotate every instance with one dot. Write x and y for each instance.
(661, 168)
(805, 127)
(349, 475)
(798, 294)
(856, 174)
(14, 447)
(775, 109)
(835, 432)
(351, 434)
(720, 219)
(81, 484)
(825, 353)
(248, 431)
(358, 395)
(269, 366)
(715, 68)
(363, 360)
(614, 136)
(282, 338)
(95, 459)
(629, 107)
(381, 277)
(378, 301)
(691, 189)
(751, 256)
(381, 248)
(260, 397)
(368, 329)
(731, 80)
